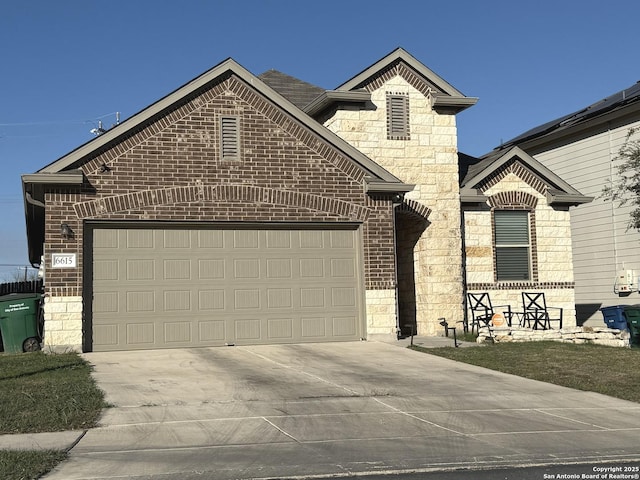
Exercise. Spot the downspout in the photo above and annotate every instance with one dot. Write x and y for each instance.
(465, 289)
(395, 204)
(35, 203)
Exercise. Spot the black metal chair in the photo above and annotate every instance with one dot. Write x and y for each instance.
(536, 313)
(482, 311)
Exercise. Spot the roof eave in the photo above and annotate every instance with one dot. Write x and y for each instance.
(567, 199)
(34, 208)
(376, 186)
(67, 177)
(329, 97)
(456, 104)
(472, 195)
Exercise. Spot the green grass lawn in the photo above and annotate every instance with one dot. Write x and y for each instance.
(44, 393)
(595, 368)
(17, 465)
(47, 393)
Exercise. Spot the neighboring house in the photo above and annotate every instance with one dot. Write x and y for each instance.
(262, 209)
(582, 148)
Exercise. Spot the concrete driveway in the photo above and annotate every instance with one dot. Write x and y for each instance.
(333, 409)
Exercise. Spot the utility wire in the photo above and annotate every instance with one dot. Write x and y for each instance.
(57, 122)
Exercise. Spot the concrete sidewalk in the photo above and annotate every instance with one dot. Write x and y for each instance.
(41, 441)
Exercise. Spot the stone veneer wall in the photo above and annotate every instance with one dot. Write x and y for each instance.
(551, 243)
(429, 160)
(381, 307)
(611, 337)
(63, 323)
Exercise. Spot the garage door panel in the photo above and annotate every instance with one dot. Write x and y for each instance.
(247, 329)
(211, 299)
(142, 239)
(211, 269)
(280, 328)
(177, 332)
(142, 333)
(212, 332)
(166, 288)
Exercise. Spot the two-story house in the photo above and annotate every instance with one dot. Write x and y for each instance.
(262, 209)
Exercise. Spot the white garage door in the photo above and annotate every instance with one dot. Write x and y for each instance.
(170, 288)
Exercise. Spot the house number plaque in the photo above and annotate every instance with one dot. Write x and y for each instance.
(63, 260)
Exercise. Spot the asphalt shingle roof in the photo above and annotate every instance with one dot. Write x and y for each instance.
(297, 91)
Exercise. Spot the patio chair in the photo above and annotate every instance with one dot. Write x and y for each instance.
(482, 311)
(536, 313)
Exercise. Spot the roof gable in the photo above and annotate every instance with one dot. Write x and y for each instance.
(121, 132)
(400, 62)
(479, 174)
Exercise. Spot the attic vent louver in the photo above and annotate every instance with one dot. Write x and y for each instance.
(397, 116)
(230, 138)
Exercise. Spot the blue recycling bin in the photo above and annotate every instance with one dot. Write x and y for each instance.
(614, 316)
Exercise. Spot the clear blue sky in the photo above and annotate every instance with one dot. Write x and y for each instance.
(67, 64)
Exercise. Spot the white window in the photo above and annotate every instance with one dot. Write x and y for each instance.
(512, 245)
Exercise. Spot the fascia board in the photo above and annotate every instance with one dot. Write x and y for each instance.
(325, 99)
(372, 186)
(495, 165)
(472, 195)
(401, 54)
(572, 199)
(457, 103)
(528, 160)
(74, 177)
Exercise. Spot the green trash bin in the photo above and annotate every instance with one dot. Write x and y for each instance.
(632, 314)
(20, 322)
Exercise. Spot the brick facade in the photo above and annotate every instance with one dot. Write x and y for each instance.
(170, 170)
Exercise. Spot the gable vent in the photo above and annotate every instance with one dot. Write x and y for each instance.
(230, 138)
(397, 117)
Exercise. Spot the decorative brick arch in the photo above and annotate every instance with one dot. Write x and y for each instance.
(415, 209)
(215, 193)
(513, 199)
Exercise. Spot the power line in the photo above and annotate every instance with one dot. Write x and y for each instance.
(56, 122)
